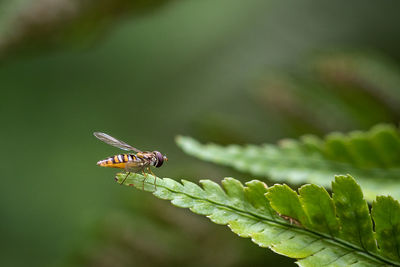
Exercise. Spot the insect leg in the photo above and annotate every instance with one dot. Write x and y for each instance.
(145, 177)
(125, 178)
(155, 179)
(151, 172)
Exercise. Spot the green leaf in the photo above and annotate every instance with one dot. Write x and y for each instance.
(320, 209)
(373, 157)
(386, 214)
(353, 213)
(310, 226)
(285, 201)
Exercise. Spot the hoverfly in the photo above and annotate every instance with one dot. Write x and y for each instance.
(138, 162)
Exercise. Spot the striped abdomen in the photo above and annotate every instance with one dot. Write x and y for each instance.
(117, 161)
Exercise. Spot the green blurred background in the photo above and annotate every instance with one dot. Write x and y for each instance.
(227, 71)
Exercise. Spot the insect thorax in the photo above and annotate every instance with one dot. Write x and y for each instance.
(147, 156)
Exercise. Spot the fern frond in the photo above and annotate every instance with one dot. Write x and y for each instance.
(373, 157)
(310, 226)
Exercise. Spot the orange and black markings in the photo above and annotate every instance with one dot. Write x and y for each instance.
(117, 161)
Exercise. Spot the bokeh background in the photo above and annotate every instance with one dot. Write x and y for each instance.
(226, 71)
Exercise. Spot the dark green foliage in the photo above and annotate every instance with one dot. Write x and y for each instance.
(65, 21)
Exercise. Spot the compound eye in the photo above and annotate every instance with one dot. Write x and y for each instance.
(160, 159)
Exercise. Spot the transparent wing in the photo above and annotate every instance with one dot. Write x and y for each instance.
(114, 142)
(134, 166)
